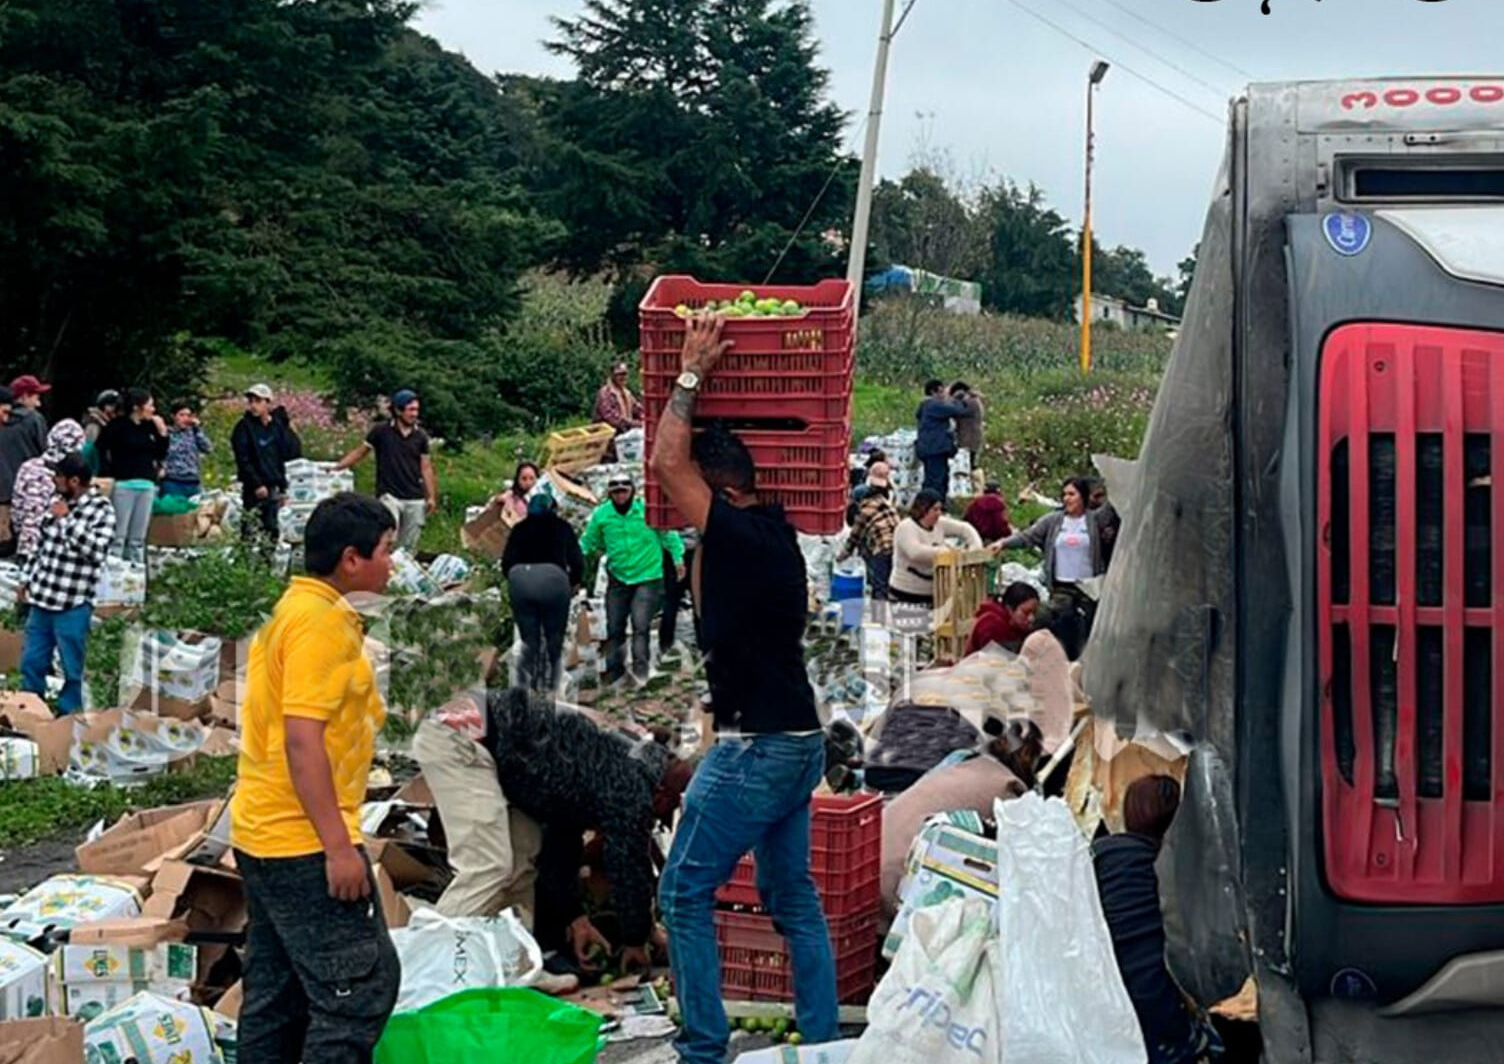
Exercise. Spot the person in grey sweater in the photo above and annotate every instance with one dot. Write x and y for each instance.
(1071, 541)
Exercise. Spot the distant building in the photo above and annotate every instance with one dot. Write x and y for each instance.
(1125, 316)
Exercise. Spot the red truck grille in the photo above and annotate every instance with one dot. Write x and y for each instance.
(1411, 615)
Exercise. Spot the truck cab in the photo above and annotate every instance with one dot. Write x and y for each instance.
(1305, 582)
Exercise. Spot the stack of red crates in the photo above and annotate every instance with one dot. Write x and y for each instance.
(846, 841)
(785, 385)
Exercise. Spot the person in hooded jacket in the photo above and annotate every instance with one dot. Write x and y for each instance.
(543, 565)
(35, 486)
(1006, 621)
(1129, 890)
(263, 443)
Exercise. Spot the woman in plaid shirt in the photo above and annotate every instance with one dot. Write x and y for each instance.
(871, 533)
(59, 581)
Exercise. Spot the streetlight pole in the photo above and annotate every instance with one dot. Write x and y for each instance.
(856, 264)
(1094, 78)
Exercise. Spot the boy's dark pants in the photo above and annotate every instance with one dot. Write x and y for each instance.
(321, 975)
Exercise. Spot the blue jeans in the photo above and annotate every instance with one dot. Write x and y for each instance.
(749, 794)
(66, 631)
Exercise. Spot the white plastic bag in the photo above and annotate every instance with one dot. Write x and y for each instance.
(938, 1002)
(1059, 994)
(442, 956)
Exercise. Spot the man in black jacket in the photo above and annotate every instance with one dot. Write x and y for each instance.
(557, 768)
(263, 443)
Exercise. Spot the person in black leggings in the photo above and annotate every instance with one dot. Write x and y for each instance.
(543, 565)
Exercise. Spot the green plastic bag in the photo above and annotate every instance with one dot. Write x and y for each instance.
(173, 506)
(492, 1025)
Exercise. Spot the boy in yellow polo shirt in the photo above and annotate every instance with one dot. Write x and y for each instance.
(321, 975)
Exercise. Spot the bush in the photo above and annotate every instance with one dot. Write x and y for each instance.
(226, 593)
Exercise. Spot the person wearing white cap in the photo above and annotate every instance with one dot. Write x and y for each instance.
(634, 560)
(263, 443)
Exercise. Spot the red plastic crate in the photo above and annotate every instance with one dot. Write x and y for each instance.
(846, 849)
(806, 471)
(825, 325)
(807, 396)
(755, 959)
(794, 367)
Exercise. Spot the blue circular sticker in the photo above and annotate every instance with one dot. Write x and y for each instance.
(1347, 232)
(1352, 984)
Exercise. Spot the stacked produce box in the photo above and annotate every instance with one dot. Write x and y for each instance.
(784, 387)
(846, 841)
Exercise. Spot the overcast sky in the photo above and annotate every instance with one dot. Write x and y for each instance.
(1003, 93)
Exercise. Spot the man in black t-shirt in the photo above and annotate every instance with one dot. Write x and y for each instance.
(752, 791)
(405, 480)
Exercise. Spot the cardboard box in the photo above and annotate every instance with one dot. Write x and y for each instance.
(152, 1029)
(105, 964)
(29, 715)
(945, 862)
(488, 533)
(230, 1004)
(43, 1041)
(206, 899)
(23, 981)
(11, 645)
(172, 530)
(63, 902)
(19, 758)
(136, 840)
(396, 871)
(224, 704)
(149, 701)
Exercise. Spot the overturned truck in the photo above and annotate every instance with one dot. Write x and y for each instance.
(1309, 577)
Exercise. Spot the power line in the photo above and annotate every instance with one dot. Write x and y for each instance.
(841, 160)
(1220, 121)
(1172, 35)
(1182, 71)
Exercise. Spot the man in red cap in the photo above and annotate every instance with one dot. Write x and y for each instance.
(23, 436)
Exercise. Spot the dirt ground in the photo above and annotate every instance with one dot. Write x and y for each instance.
(25, 866)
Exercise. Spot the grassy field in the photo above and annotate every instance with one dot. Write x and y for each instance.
(1044, 419)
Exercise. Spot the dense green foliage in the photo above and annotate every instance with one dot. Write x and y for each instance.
(1023, 252)
(314, 181)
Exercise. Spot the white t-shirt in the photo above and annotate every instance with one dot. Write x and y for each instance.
(1073, 551)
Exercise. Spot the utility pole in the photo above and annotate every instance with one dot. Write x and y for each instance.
(1094, 78)
(857, 263)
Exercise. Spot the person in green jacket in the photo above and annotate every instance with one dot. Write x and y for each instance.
(634, 563)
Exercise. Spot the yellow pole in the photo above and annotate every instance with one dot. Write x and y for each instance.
(1086, 242)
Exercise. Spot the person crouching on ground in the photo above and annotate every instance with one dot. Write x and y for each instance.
(58, 582)
(321, 974)
(752, 791)
(1006, 621)
(517, 783)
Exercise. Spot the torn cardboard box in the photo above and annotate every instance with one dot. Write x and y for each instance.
(53, 1040)
(137, 840)
(11, 645)
(29, 715)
